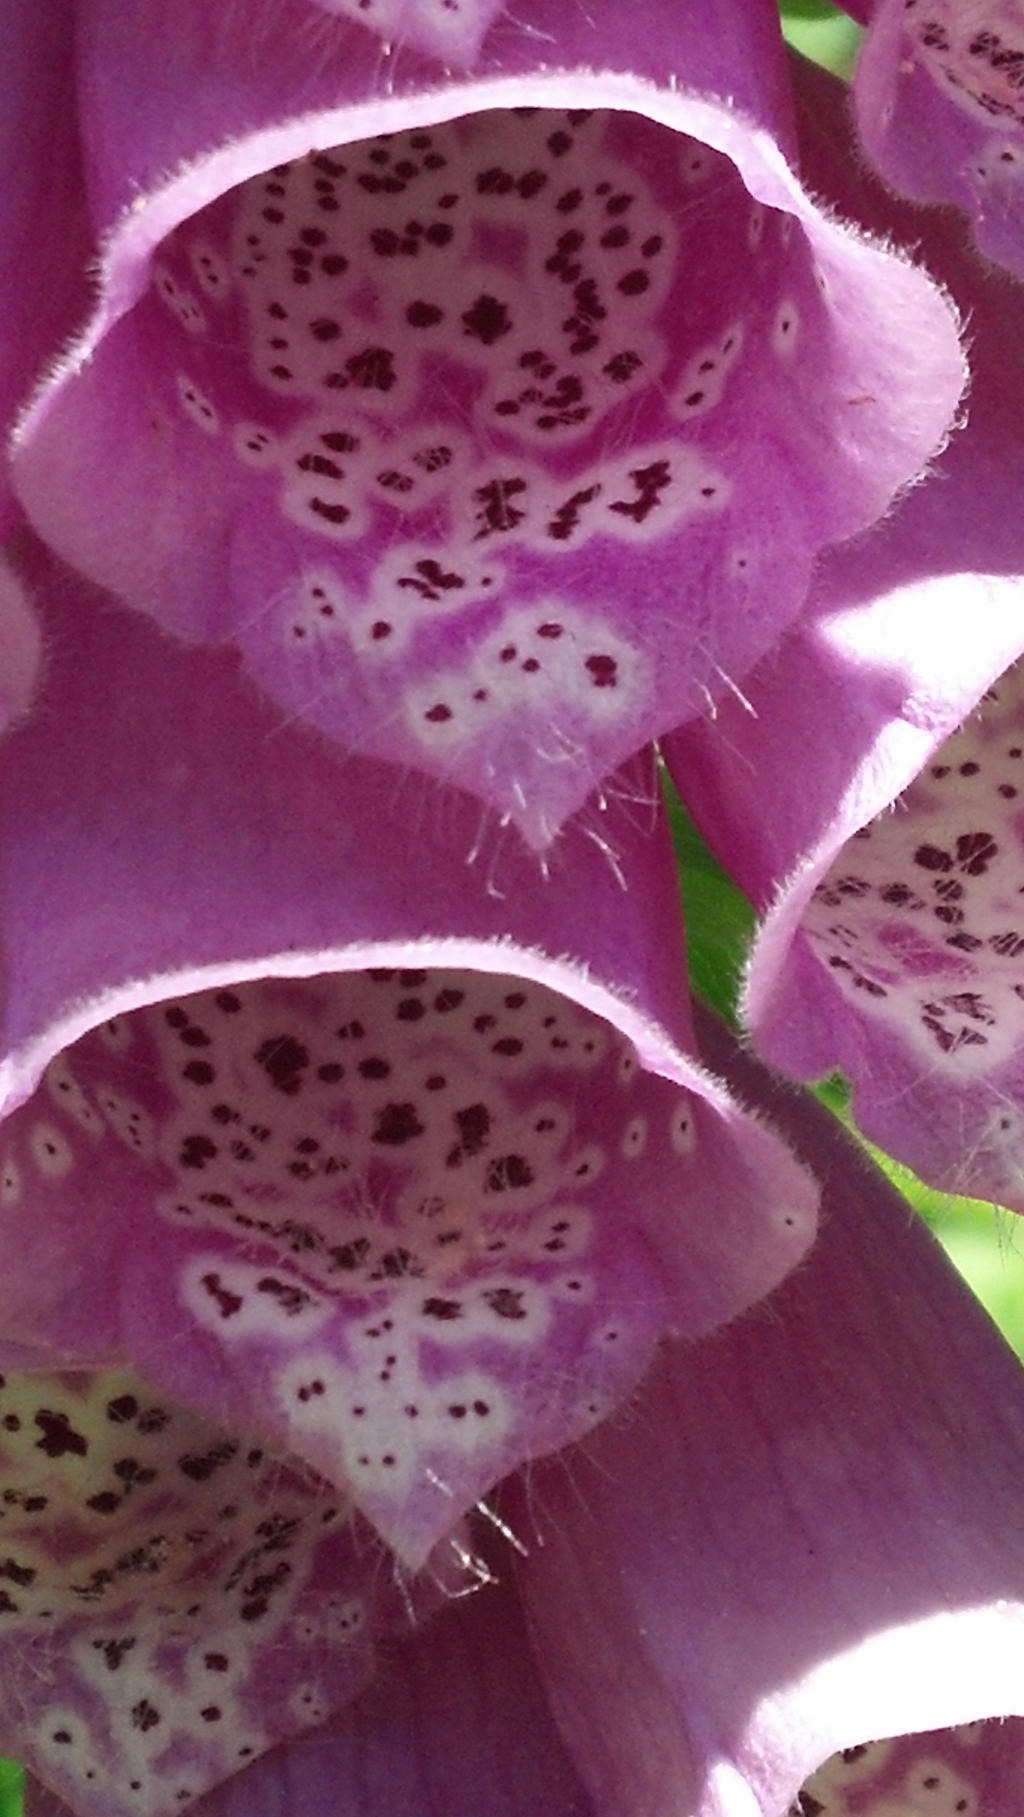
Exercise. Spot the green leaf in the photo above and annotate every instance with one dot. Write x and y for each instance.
(11, 1789)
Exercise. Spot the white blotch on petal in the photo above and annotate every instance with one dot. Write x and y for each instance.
(542, 659)
(51, 1151)
(210, 269)
(196, 405)
(65, 1091)
(255, 445)
(181, 302)
(116, 1034)
(10, 1182)
(583, 1168)
(703, 380)
(682, 1129)
(785, 329)
(241, 1300)
(128, 1120)
(634, 1139)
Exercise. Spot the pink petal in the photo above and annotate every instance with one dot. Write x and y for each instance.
(469, 437)
(827, 1549)
(455, 1724)
(908, 628)
(940, 108)
(425, 1203)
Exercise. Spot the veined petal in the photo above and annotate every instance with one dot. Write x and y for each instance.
(840, 720)
(939, 97)
(829, 1549)
(424, 1171)
(173, 1599)
(467, 405)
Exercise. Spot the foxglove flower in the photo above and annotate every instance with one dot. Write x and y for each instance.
(346, 1135)
(939, 96)
(495, 417)
(890, 950)
(789, 1573)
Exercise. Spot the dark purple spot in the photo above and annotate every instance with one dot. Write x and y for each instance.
(396, 1124)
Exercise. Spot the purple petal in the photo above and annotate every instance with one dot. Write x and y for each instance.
(441, 419)
(827, 1550)
(918, 924)
(387, 1193)
(188, 1600)
(452, 30)
(19, 647)
(908, 628)
(43, 225)
(940, 106)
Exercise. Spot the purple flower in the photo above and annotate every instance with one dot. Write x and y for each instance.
(827, 1552)
(496, 419)
(939, 96)
(889, 946)
(372, 1217)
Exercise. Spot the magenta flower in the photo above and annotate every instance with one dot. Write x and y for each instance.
(939, 95)
(484, 386)
(492, 456)
(406, 1188)
(828, 1552)
(889, 946)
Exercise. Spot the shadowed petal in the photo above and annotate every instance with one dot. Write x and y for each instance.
(939, 97)
(467, 407)
(173, 1600)
(422, 1182)
(19, 646)
(44, 229)
(829, 1550)
(878, 972)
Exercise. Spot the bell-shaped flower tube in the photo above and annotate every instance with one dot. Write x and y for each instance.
(821, 1585)
(407, 1140)
(788, 1575)
(496, 417)
(939, 97)
(887, 950)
